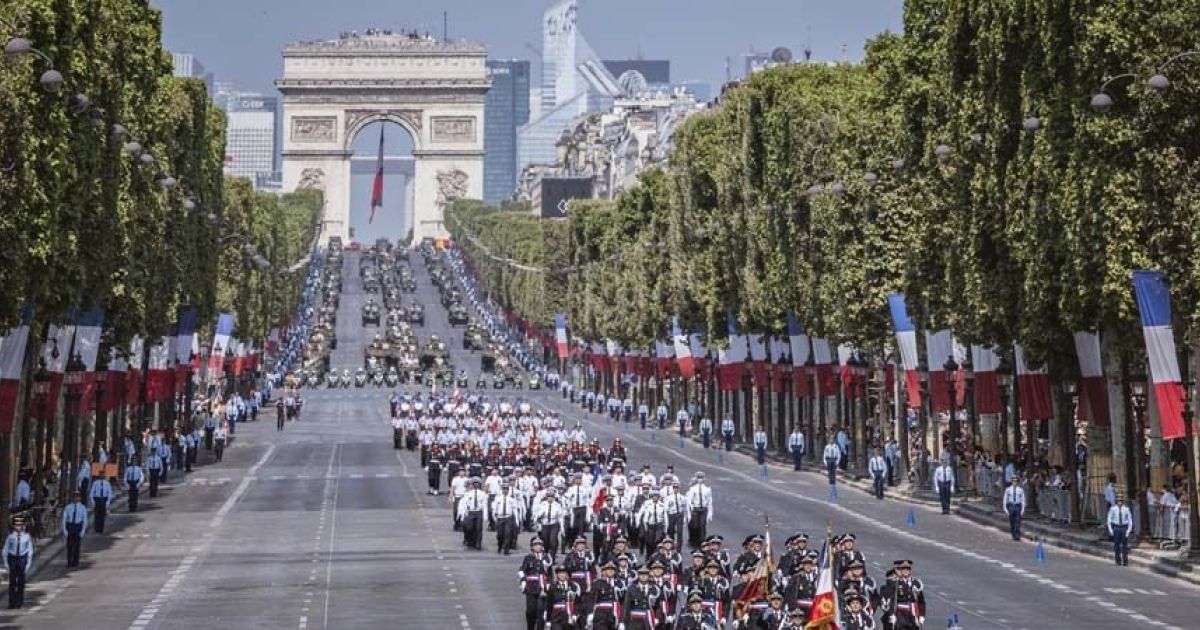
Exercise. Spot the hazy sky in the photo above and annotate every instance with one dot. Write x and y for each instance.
(240, 41)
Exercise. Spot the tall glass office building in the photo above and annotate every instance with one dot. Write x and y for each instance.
(506, 109)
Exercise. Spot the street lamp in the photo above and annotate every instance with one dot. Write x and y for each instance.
(1069, 437)
(951, 367)
(73, 379)
(1135, 437)
(41, 390)
(1102, 102)
(51, 80)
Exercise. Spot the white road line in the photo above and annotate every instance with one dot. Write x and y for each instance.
(332, 533)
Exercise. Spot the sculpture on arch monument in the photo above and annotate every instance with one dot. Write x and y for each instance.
(452, 185)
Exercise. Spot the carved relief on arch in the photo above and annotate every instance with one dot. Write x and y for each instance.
(409, 117)
(313, 178)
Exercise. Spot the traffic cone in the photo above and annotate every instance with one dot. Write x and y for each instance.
(911, 518)
(952, 623)
(1039, 553)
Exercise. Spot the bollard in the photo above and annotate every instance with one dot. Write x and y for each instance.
(1040, 553)
(911, 518)
(763, 472)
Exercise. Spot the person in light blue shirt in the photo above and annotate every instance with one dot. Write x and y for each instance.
(796, 447)
(891, 457)
(727, 430)
(18, 557)
(760, 445)
(164, 456)
(83, 478)
(24, 493)
(102, 494)
(154, 466)
(210, 426)
(74, 524)
(1110, 491)
(832, 456)
(706, 429)
(1010, 471)
(843, 443)
(133, 480)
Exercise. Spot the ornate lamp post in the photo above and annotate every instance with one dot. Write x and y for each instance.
(1135, 438)
(1067, 429)
(41, 390)
(73, 379)
(101, 380)
(951, 367)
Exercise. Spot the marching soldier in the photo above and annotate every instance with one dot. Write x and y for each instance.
(642, 603)
(943, 479)
(507, 511)
(878, 469)
(534, 575)
(706, 429)
(133, 481)
(605, 600)
(854, 579)
(677, 512)
(796, 620)
(700, 506)
(1014, 506)
(73, 527)
(605, 528)
(696, 617)
(746, 562)
(101, 494)
(727, 430)
(472, 512)
(458, 488)
(760, 445)
(549, 518)
(802, 586)
(856, 616)
(796, 447)
(578, 563)
(578, 500)
(652, 523)
(789, 562)
(18, 558)
(714, 589)
(903, 599)
(561, 600)
(433, 470)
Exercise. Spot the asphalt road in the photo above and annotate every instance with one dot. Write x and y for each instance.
(324, 525)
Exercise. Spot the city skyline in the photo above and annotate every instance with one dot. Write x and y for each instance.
(247, 51)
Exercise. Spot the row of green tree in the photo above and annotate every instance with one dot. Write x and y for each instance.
(960, 164)
(88, 223)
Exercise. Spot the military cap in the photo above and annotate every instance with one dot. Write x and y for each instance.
(712, 564)
(853, 595)
(856, 564)
(695, 598)
(608, 566)
(537, 540)
(621, 539)
(698, 554)
(643, 571)
(903, 564)
(558, 568)
(775, 597)
(657, 564)
(580, 540)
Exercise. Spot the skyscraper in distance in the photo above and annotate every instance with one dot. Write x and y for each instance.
(506, 109)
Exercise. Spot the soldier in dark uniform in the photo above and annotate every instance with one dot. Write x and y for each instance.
(579, 564)
(666, 586)
(696, 617)
(605, 528)
(535, 575)
(751, 554)
(714, 589)
(796, 620)
(642, 605)
(846, 554)
(903, 599)
(620, 547)
(434, 469)
(666, 554)
(856, 616)
(605, 600)
(562, 598)
(856, 579)
(789, 562)
(774, 616)
(802, 585)
(691, 574)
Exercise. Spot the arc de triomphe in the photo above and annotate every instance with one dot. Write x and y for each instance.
(434, 89)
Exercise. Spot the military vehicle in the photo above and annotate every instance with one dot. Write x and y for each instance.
(434, 352)
(370, 313)
(416, 314)
(458, 315)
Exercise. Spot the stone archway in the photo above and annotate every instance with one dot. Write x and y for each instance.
(435, 90)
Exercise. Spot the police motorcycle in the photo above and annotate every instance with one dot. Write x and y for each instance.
(392, 378)
(332, 380)
(360, 377)
(346, 379)
(535, 381)
(301, 378)
(498, 381)
(482, 382)
(463, 379)
(377, 378)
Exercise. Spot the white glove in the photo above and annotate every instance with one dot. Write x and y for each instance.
(521, 588)
(670, 618)
(589, 620)
(710, 519)
(891, 620)
(920, 621)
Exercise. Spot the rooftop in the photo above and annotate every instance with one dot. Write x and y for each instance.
(384, 41)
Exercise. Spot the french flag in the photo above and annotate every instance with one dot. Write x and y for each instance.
(12, 360)
(825, 611)
(158, 373)
(597, 356)
(239, 357)
(987, 381)
(732, 360)
(700, 355)
(216, 356)
(683, 350)
(664, 354)
(560, 336)
(823, 360)
(137, 367)
(613, 351)
(1093, 399)
(377, 186)
(906, 340)
(114, 385)
(58, 342)
(1154, 304)
(939, 347)
(184, 338)
(1035, 389)
(845, 352)
(758, 360)
(88, 328)
(800, 354)
(780, 357)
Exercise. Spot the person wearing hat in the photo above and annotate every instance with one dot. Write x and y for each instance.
(714, 590)
(789, 562)
(507, 510)
(578, 562)
(652, 523)
(1120, 524)
(635, 505)
(854, 577)
(620, 547)
(676, 505)
(669, 557)
(727, 430)
(797, 446)
(459, 484)
(878, 469)
(943, 480)
(796, 620)
(752, 553)
(696, 617)
(700, 510)
(605, 602)
(549, 517)
(472, 513)
(1014, 506)
(578, 501)
(535, 575)
(643, 603)
(562, 600)
(691, 574)
(101, 493)
(666, 583)
(832, 455)
(706, 431)
(712, 548)
(604, 527)
(73, 527)
(903, 599)
(856, 617)
(18, 558)
(133, 481)
(801, 586)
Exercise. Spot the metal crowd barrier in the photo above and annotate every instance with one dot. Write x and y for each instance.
(1169, 526)
(1054, 504)
(989, 482)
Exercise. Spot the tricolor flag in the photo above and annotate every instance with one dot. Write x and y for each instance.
(1093, 397)
(239, 356)
(137, 368)
(88, 328)
(987, 382)
(158, 371)
(781, 353)
(12, 360)
(906, 340)
(939, 347)
(732, 360)
(700, 355)
(114, 384)
(758, 585)
(1034, 386)
(613, 351)
(800, 355)
(377, 187)
(1154, 305)
(823, 360)
(184, 338)
(55, 353)
(825, 612)
(216, 356)
(845, 352)
(664, 353)
(683, 350)
(758, 360)
(560, 336)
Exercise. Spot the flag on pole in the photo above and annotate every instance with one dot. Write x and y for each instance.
(184, 336)
(906, 340)
(1034, 386)
(699, 354)
(12, 362)
(758, 360)
(823, 360)
(377, 187)
(158, 376)
(732, 360)
(825, 611)
(939, 348)
(1154, 305)
(987, 381)
(780, 356)
(137, 367)
(683, 350)
(1093, 398)
(55, 353)
(88, 327)
(560, 335)
(800, 355)
(216, 355)
(758, 585)
(114, 384)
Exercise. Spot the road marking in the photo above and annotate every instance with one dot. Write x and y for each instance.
(164, 594)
